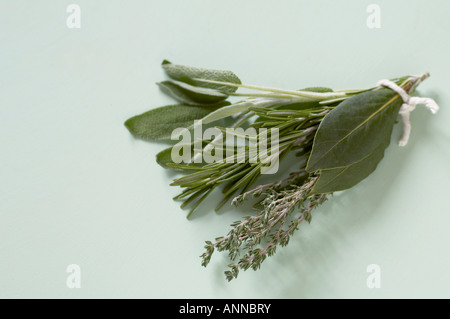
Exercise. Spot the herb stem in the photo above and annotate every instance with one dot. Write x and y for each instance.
(272, 95)
(311, 95)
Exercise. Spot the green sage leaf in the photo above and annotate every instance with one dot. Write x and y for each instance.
(226, 111)
(159, 123)
(164, 158)
(354, 129)
(188, 94)
(189, 75)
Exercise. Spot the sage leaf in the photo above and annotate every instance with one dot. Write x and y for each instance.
(164, 159)
(189, 94)
(191, 75)
(158, 124)
(226, 111)
(354, 129)
(338, 179)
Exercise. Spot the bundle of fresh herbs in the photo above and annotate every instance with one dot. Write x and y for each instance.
(338, 136)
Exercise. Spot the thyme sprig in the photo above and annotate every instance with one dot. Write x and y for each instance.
(283, 207)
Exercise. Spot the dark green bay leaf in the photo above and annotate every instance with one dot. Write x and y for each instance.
(158, 123)
(338, 179)
(186, 93)
(188, 74)
(354, 129)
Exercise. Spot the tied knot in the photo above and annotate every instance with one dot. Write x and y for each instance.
(409, 105)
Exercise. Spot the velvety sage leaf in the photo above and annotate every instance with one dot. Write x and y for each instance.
(338, 179)
(186, 93)
(188, 74)
(226, 111)
(158, 124)
(165, 157)
(354, 129)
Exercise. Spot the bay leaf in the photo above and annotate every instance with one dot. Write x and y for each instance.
(188, 74)
(341, 178)
(186, 93)
(354, 129)
(159, 123)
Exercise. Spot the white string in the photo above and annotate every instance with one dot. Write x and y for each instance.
(409, 105)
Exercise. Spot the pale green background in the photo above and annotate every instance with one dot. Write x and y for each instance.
(76, 188)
